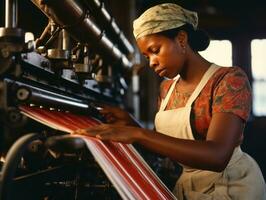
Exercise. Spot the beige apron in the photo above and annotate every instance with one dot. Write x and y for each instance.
(242, 178)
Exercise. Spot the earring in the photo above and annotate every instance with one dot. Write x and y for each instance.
(184, 50)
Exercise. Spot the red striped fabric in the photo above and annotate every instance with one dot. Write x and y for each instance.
(125, 168)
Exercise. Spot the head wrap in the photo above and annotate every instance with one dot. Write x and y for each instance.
(163, 17)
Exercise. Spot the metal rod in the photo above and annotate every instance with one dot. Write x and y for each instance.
(11, 13)
(15, 14)
(65, 43)
(33, 95)
(43, 97)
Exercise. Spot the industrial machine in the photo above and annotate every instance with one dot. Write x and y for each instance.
(81, 59)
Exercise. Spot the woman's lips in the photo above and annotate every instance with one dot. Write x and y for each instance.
(160, 72)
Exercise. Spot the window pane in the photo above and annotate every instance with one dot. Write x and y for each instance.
(259, 98)
(219, 52)
(258, 60)
(258, 64)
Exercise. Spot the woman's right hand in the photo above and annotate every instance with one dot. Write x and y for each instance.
(116, 115)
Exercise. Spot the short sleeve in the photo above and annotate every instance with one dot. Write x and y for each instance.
(233, 94)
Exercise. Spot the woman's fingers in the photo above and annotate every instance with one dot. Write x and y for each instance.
(80, 132)
(108, 132)
(92, 131)
(115, 137)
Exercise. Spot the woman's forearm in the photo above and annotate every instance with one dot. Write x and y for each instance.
(196, 154)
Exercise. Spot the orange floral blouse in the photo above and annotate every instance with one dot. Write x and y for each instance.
(228, 90)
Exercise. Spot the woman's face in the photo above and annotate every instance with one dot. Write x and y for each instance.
(165, 55)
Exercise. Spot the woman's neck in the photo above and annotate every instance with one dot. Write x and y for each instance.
(194, 69)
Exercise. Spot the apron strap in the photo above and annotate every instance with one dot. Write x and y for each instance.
(166, 99)
(212, 69)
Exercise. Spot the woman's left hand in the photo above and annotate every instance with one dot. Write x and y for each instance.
(116, 133)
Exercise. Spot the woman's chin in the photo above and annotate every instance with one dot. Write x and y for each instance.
(169, 76)
(163, 73)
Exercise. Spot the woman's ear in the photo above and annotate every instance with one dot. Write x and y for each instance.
(182, 38)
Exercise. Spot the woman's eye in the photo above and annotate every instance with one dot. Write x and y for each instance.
(155, 50)
(145, 56)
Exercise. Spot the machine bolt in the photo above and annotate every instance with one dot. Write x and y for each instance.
(44, 64)
(5, 53)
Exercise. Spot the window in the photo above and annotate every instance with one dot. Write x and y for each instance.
(258, 67)
(219, 52)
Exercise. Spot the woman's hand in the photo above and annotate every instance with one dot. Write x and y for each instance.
(117, 116)
(112, 132)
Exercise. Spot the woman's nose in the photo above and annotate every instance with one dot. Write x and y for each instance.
(153, 63)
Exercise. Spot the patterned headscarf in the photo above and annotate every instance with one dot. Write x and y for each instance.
(163, 17)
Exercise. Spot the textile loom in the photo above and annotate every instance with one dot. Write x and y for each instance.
(53, 85)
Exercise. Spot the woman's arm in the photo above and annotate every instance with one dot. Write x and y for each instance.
(213, 154)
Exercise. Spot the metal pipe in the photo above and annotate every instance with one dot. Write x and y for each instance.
(15, 13)
(83, 28)
(11, 13)
(66, 42)
(13, 158)
(101, 14)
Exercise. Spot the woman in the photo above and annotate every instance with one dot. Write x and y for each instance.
(202, 113)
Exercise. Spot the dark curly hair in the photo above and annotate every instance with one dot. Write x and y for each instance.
(198, 39)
